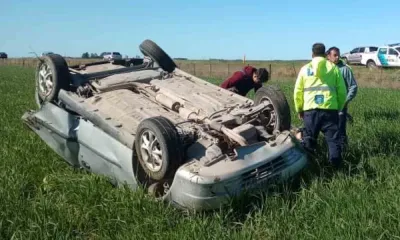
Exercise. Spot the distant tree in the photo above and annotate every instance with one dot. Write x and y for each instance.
(85, 55)
(94, 55)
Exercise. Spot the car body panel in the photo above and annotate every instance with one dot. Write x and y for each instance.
(195, 186)
(80, 143)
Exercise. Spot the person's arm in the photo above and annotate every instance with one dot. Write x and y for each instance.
(341, 90)
(352, 83)
(298, 95)
(232, 81)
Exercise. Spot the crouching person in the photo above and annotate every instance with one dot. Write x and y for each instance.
(241, 82)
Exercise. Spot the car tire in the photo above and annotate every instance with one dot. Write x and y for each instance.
(51, 69)
(152, 50)
(166, 140)
(371, 64)
(281, 109)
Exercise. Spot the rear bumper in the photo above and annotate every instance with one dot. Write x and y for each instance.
(191, 191)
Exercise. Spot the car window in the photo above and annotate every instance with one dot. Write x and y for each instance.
(354, 50)
(393, 52)
(116, 53)
(372, 49)
(383, 50)
(398, 49)
(361, 50)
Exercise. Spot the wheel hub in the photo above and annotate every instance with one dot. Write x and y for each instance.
(269, 115)
(151, 151)
(45, 81)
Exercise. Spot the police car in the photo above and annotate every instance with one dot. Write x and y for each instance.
(385, 56)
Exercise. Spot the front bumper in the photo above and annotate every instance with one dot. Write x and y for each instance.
(257, 170)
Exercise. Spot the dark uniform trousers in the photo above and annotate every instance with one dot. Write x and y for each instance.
(327, 121)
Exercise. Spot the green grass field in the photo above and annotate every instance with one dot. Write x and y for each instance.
(41, 197)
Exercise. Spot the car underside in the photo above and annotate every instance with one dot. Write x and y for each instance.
(187, 141)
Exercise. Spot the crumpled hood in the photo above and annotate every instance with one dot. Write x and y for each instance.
(321, 67)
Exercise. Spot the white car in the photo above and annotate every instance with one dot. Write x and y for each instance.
(386, 56)
(111, 55)
(355, 55)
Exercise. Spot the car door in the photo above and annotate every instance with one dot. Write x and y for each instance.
(353, 52)
(393, 57)
(383, 57)
(358, 55)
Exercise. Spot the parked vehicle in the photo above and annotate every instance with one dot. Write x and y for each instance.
(387, 56)
(46, 53)
(3, 55)
(131, 62)
(187, 141)
(111, 55)
(355, 55)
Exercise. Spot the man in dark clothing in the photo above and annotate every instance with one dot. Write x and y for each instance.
(333, 54)
(241, 82)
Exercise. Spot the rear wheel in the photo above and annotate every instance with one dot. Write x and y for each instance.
(277, 117)
(158, 149)
(152, 50)
(371, 64)
(52, 74)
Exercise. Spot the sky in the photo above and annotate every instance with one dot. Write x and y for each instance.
(261, 30)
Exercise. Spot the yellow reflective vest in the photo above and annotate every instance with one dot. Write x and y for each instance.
(319, 85)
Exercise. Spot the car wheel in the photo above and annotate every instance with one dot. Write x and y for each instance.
(158, 150)
(152, 50)
(371, 64)
(277, 117)
(52, 74)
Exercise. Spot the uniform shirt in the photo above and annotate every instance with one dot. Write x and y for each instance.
(319, 85)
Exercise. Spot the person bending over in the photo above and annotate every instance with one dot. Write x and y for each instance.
(241, 82)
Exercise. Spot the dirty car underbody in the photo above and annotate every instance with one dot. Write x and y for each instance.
(187, 141)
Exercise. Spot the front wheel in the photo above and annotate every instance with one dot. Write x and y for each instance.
(277, 117)
(158, 149)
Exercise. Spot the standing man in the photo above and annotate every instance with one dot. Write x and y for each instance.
(241, 82)
(351, 86)
(319, 94)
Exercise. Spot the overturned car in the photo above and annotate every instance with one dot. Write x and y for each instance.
(187, 141)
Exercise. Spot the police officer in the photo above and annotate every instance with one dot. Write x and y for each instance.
(319, 94)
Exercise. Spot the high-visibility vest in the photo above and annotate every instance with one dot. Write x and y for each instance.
(319, 85)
